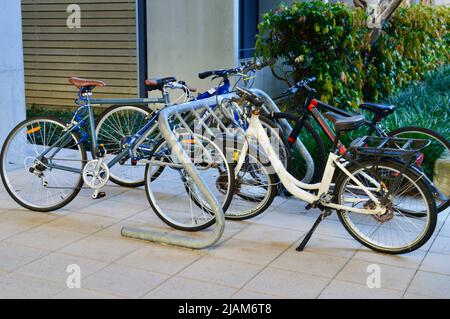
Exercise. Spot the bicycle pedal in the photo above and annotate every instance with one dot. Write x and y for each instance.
(99, 195)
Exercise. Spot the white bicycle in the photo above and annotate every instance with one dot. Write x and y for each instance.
(380, 200)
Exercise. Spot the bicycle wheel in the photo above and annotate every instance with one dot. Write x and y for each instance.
(410, 219)
(174, 197)
(427, 163)
(315, 146)
(42, 183)
(113, 128)
(255, 188)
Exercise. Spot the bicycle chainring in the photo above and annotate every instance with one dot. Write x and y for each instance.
(93, 179)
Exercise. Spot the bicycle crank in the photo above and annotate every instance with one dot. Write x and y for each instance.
(96, 175)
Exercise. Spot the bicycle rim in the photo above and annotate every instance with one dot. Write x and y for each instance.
(32, 182)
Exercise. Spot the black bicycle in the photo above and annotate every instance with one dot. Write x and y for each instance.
(314, 108)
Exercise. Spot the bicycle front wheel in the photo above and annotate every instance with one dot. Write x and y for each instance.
(427, 163)
(174, 196)
(410, 217)
(41, 164)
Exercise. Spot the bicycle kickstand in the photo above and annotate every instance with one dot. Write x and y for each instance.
(322, 217)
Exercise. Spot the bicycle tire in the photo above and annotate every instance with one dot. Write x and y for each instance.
(414, 177)
(438, 137)
(101, 120)
(76, 189)
(169, 221)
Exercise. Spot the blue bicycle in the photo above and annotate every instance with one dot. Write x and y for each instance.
(44, 162)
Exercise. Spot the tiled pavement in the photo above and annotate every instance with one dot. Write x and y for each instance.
(255, 259)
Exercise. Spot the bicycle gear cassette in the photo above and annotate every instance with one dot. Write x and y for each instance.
(96, 174)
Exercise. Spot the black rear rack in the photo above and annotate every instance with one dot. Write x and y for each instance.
(388, 146)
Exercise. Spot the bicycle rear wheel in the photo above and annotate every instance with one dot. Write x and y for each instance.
(42, 183)
(427, 163)
(410, 217)
(113, 127)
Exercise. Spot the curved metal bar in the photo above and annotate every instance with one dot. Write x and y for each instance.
(177, 149)
(286, 128)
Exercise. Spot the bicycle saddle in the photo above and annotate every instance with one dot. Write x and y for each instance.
(379, 109)
(158, 83)
(349, 123)
(334, 117)
(82, 83)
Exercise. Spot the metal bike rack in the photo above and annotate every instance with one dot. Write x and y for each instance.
(269, 107)
(176, 148)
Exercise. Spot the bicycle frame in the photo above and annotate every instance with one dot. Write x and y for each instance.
(133, 142)
(298, 188)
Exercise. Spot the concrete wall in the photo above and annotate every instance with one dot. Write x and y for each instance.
(12, 102)
(186, 37)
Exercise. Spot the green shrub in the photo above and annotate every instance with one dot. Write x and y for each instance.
(330, 41)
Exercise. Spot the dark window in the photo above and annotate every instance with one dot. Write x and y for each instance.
(248, 25)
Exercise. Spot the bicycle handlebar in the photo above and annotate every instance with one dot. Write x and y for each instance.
(249, 96)
(242, 69)
(302, 85)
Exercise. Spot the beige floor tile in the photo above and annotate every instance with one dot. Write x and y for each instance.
(27, 218)
(289, 220)
(7, 203)
(124, 281)
(445, 231)
(347, 290)
(441, 245)
(333, 228)
(80, 203)
(14, 256)
(232, 229)
(48, 238)
(16, 286)
(247, 251)
(161, 259)
(183, 288)
(248, 294)
(431, 284)
(287, 284)
(54, 267)
(411, 260)
(436, 263)
(392, 277)
(115, 209)
(111, 191)
(148, 216)
(310, 263)
(10, 229)
(334, 246)
(83, 294)
(269, 235)
(102, 248)
(221, 271)
(409, 295)
(133, 196)
(82, 223)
